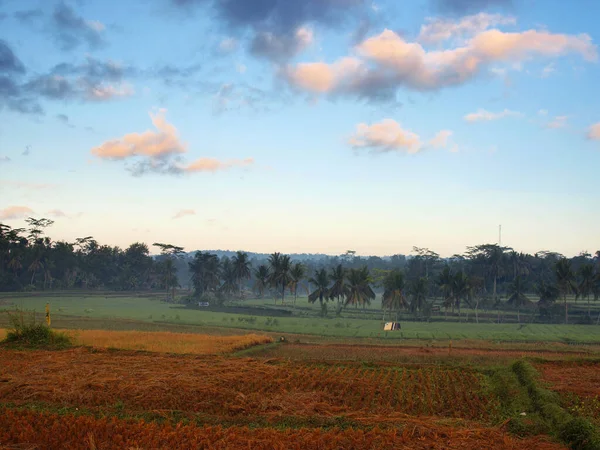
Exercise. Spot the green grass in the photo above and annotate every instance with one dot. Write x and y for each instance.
(304, 320)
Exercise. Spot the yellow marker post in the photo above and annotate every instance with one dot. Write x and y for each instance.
(48, 313)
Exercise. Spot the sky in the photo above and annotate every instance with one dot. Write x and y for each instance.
(317, 126)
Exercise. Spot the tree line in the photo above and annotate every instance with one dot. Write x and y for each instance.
(30, 260)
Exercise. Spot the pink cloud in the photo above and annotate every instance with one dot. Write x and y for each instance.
(184, 212)
(15, 212)
(387, 135)
(214, 165)
(387, 61)
(594, 132)
(152, 143)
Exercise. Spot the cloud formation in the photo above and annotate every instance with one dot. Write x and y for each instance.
(183, 213)
(276, 27)
(9, 63)
(557, 122)
(438, 30)
(56, 213)
(159, 151)
(384, 63)
(594, 132)
(15, 212)
(441, 139)
(483, 115)
(155, 144)
(385, 136)
(72, 30)
(4, 159)
(466, 6)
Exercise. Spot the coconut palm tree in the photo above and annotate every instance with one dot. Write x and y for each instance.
(517, 296)
(565, 281)
(359, 289)
(445, 283)
(321, 282)
(461, 289)
(394, 297)
(229, 277)
(280, 266)
(262, 276)
(241, 267)
(586, 285)
(297, 274)
(205, 270)
(339, 289)
(418, 294)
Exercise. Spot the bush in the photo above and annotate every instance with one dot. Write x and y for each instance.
(31, 334)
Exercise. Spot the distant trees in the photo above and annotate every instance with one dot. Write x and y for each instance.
(359, 288)
(262, 277)
(241, 268)
(321, 282)
(170, 253)
(517, 296)
(280, 266)
(394, 296)
(297, 274)
(565, 282)
(31, 260)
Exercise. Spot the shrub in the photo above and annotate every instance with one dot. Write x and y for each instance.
(29, 333)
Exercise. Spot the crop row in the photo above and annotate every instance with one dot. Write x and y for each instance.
(26, 428)
(238, 387)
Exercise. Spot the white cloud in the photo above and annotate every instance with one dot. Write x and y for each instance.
(594, 132)
(387, 135)
(4, 159)
(240, 68)
(184, 212)
(437, 30)
(548, 70)
(558, 122)
(543, 112)
(103, 92)
(228, 45)
(483, 115)
(56, 213)
(385, 62)
(441, 139)
(15, 212)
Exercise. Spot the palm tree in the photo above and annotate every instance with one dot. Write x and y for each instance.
(229, 276)
(205, 270)
(241, 267)
(565, 280)
(394, 297)
(418, 293)
(586, 285)
(321, 282)
(445, 282)
(339, 289)
(359, 289)
(461, 289)
(280, 272)
(262, 276)
(297, 273)
(517, 296)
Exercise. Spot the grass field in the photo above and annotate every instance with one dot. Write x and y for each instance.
(148, 374)
(152, 310)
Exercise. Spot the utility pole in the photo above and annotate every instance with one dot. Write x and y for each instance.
(500, 235)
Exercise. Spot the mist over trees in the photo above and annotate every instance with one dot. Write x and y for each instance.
(484, 276)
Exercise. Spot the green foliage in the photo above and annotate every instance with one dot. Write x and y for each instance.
(578, 432)
(26, 332)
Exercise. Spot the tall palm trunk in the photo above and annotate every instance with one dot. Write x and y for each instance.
(566, 309)
(282, 292)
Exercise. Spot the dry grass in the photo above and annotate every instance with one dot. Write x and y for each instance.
(167, 342)
(68, 432)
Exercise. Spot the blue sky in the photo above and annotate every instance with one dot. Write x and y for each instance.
(340, 124)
